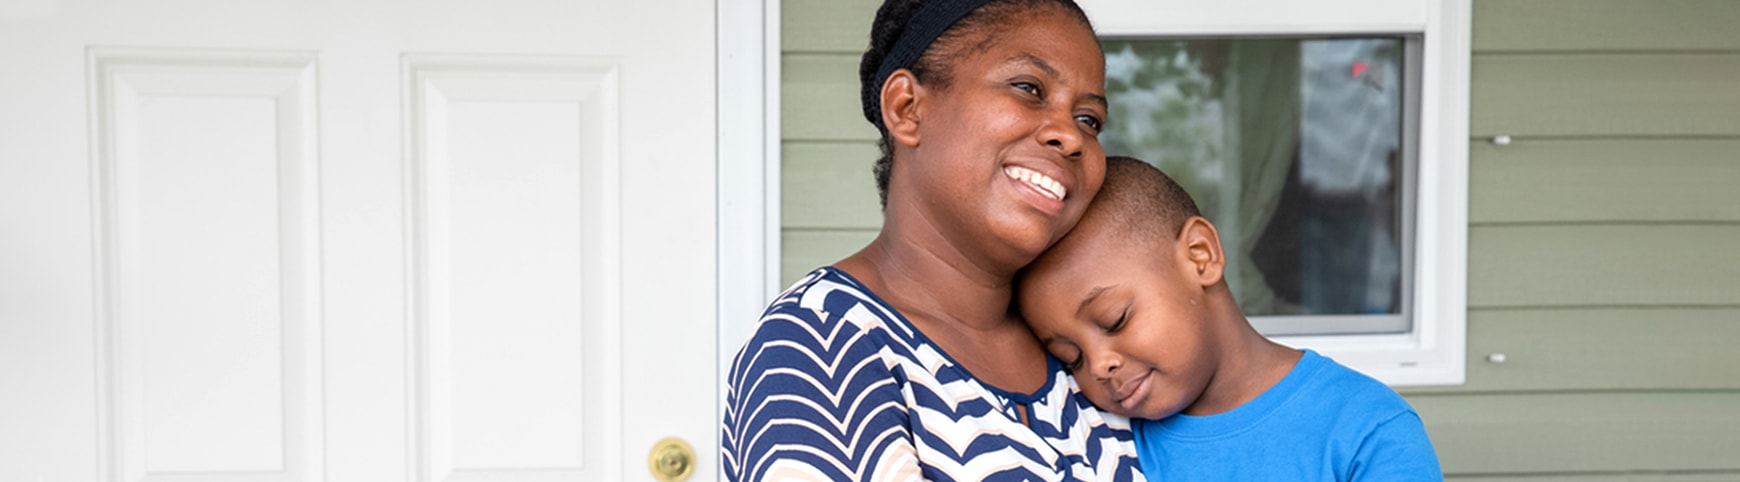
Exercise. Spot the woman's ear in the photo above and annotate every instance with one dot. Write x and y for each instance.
(900, 98)
(1199, 246)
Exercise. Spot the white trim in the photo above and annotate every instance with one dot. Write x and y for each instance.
(772, 159)
(748, 172)
(1223, 17)
(1434, 353)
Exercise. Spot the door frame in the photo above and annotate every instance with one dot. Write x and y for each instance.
(748, 173)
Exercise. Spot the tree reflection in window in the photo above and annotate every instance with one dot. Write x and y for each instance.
(1295, 149)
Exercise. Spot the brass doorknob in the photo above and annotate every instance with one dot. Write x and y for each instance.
(671, 460)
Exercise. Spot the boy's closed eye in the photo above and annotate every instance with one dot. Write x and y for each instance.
(1065, 352)
(1119, 322)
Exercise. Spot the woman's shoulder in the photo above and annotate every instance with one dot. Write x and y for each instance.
(828, 300)
(825, 313)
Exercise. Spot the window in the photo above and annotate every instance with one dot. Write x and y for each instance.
(1299, 150)
(1327, 143)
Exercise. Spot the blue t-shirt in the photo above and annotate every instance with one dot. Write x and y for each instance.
(1322, 421)
(836, 385)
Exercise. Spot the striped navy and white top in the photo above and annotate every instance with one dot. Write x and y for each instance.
(836, 385)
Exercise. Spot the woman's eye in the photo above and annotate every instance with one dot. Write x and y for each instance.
(1091, 121)
(1028, 87)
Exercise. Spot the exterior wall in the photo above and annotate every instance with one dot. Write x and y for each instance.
(1604, 250)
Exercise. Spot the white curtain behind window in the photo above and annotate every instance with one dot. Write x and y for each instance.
(1266, 122)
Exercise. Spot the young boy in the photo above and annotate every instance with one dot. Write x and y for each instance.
(1133, 302)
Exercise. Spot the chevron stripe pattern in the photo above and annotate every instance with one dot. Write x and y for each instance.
(835, 385)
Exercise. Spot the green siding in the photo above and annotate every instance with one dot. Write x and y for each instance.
(804, 250)
(820, 99)
(1515, 433)
(841, 26)
(1605, 25)
(1601, 251)
(838, 172)
(1602, 94)
(1602, 261)
(1604, 265)
(1587, 349)
(1604, 181)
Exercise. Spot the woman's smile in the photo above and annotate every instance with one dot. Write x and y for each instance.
(1043, 183)
(1041, 191)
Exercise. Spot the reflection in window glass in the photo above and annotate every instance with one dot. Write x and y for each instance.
(1294, 148)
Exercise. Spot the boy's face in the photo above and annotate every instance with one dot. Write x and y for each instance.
(1126, 317)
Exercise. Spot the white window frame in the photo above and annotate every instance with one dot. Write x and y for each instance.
(1434, 352)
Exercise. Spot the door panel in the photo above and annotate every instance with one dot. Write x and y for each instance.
(513, 219)
(207, 264)
(355, 241)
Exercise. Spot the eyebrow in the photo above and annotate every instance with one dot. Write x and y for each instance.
(1100, 99)
(1037, 62)
(1052, 72)
(1092, 295)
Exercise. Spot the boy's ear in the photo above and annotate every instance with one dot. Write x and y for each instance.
(900, 99)
(1199, 246)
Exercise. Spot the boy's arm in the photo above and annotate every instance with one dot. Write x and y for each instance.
(802, 408)
(1397, 449)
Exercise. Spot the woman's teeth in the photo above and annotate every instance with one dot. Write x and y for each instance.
(1046, 184)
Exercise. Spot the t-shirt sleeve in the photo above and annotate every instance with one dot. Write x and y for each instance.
(1397, 449)
(811, 399)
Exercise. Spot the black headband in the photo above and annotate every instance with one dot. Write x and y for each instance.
(934, 18)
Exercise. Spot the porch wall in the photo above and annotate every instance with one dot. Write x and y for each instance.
(1604, 250)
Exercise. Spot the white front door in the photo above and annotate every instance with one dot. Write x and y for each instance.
(369, 240)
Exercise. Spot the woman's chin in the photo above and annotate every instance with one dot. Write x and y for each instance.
(1032, 234)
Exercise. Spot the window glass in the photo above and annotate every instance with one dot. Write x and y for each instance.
(1298, 149)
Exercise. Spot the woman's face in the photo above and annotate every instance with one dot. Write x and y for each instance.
(1008, 154)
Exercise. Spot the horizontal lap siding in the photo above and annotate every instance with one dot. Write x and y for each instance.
(839, 26)
(807, 249)
(821, 99)
(829, 204)
(1605, 181)
(1604, 243)
(1606, 94)
(828, 185)
(1605, 25)
(1667, 264)
(1522, 433)
(1595, 349)
(1602, 247)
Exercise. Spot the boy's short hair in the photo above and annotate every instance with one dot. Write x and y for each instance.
(1140, 201)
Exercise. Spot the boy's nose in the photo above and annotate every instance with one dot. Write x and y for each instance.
(1106, 366)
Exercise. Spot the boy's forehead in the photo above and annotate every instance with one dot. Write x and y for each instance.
(1082, 252)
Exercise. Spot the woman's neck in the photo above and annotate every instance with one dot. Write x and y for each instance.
(936, 281)
(963, 309)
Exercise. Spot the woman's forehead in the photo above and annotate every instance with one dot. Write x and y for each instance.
(1060, 49)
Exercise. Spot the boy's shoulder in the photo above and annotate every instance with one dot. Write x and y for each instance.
(1333, 386)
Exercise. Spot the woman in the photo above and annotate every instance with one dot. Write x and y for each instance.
(905, 360)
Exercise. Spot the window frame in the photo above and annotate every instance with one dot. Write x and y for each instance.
(1434, 351)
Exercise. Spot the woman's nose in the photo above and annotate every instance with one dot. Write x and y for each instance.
(1061, 133)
